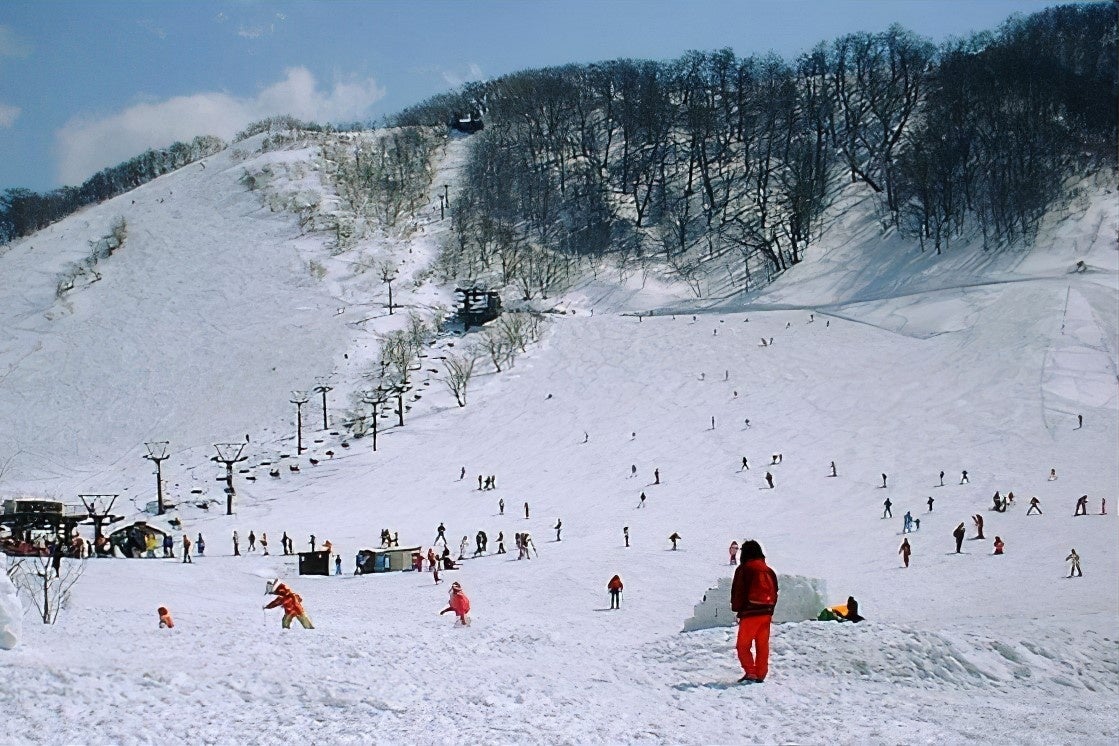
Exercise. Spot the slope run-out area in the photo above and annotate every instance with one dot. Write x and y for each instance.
(957, 647)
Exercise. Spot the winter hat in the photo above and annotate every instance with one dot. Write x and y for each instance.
(456, 587)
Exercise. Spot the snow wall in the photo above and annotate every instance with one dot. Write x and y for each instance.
(799, 599)
(11, 610)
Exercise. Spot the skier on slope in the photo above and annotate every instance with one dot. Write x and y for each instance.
(615, 588)
(292, 603)
(458, 603)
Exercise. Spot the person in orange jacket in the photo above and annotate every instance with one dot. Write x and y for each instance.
(292, 603)
(753, 597)
(459, 604)
(615, 587)
(165, 619)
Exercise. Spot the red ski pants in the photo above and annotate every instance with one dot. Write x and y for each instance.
(754, 631)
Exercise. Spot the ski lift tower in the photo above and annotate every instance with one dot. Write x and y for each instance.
(322, 388)
(375, 399)
(157, 452)
(298, 398)
(229, 454)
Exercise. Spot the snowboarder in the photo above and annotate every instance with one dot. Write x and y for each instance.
(958, 534)
(501, 506)
(441, 534)
(1074, 564)
(459, 604)
(186, 550)
(1034, 505)
(1081, 506)
(292, 603)
(752, 598)
(977, 519)
(559, 528)
(769, 479)
(963, 477)
(625, 535)
(675, 537)
(615, 588)
(236, 545)
(252, 542)
(733, 553)
(930, 503)
(165, 620)
(887, 505)
(999, 545)
(905, 551)
(526, 510)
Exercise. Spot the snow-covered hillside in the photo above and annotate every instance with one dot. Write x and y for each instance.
(209, 315)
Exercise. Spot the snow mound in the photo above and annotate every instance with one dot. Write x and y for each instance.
(800, 598)
(11, 611)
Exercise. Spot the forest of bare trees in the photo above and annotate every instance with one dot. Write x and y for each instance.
(716, 162)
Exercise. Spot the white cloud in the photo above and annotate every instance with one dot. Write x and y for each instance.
(11, 45)
(86, 145)
(8, 115)
(455, 78)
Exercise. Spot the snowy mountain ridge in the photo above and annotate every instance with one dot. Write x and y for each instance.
(882, 361)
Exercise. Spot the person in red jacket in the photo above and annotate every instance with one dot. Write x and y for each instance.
(292, 603)
(753, 596)
(615, 587)
(459, 604)
(165, 619)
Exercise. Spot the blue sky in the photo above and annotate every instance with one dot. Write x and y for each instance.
(87, 84)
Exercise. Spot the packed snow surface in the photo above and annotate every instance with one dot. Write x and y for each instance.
(883, 359)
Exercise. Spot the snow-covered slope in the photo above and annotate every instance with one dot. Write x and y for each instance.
(982, 365)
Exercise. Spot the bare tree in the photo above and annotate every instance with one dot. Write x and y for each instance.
(389, 273)
(46, 582)
(460, 369)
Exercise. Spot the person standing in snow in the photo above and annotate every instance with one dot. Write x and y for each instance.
(942, 477)
(656, 476)
(312, 542)
(734, 553)
(559, 528)
(930, 503)
(905, 551)
(625, 535)
(285, 543)
(1081, 506)
(501, 542)
(252, 542)
(963, 477)
(977, 519)
(883, 481)
(478, 544)
(769, 479)
(264, 543)
(1052, 475)
(168, 546)
(200, 545)
(615, 588)
(292, 603)
(745, 464)
(1074, 564)
(753, 597)
(1034, 505)
(441, 534)
(675, 537)
(458, 603)
(833, 472)
(462, 547)
(641, 501)
(907, 523)
(186, 550)
(526, 510)
(958, 534)
(501, 506)
(999, 545)
(887, 513)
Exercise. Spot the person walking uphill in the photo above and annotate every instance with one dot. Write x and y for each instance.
(905, 550)
(292, 603)
(753, 596)
(958, 534)
(615, 587)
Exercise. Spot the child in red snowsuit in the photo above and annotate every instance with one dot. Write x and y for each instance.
(459, 604)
